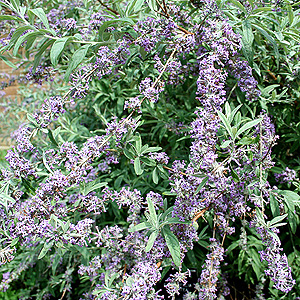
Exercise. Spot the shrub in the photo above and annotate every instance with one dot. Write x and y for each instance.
(145, 167)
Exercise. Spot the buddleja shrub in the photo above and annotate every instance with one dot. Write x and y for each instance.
(142, 168)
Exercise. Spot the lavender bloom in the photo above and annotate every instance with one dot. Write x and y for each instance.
(80, 233)
(6, 255)
(70, 23)
(50, 110)
(97, 19)
(22, 136)
(160, 157)
(130, 199)
(92, 270)
(141, 282)
(69, 155)
(151, 31)
(149, 91)
(119, 128)
(80, 82)
(247, 83)
(92, 148)
(133, 103)
(91, 203)
(278, 268)
(174, 281)
(54, 185)
(173, 69)
(207, 284)
(20, 165)
(156, 199)
(40, 75)
(287, 176)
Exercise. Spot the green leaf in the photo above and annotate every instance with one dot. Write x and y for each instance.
(291, 198)
(4, 199)
(137, 166)
(76, 59)
(38, 56)
(94, 185)
(46, 164)
(151, 241)
(274, 206)
(14, 242)
(256, 262)
(51, 137)
(15, 4)
(225, 123)
(133, 6)
(155, 176)
(128, 153)
(293, 221)
(10, 18)
(248, 126)
(173, 245)
(140, 226)
(232, 114)
(152, 5)
(226, 144)
(9, 63)
(55, 262)
(201, 185)
(266, 91)
(138, 5)
(138, 144)
(57, 49)
(39, 12)
(24, 38)
(269, 38)
(247, 40)
(45, 249)
(17, 34)
(152, 210)
(247, 32)
(277, 219)
(239, 5)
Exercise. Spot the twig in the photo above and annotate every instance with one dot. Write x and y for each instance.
(200, 214)
(63, 294)
(108, 8)
(123, 278)
(171, 170)
(163, 9)
(212, 258)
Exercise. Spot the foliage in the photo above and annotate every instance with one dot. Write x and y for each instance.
(155, 150)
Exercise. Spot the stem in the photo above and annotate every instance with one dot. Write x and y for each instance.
(108, 8)
(212, 259)
(171, 170)
(260, 169)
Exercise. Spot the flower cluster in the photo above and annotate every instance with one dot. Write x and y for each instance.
(287, 176)
(278, 267)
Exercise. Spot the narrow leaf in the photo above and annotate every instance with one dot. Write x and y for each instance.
(151, 241)
(225, 123)
(248, 126)
(173, 245)
(152, 210)
(76, 59)
(201, 185)
(138, 227)
(57, 49)
(39, 12)
(137, 166)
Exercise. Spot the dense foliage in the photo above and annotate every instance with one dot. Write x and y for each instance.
(155, 150)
